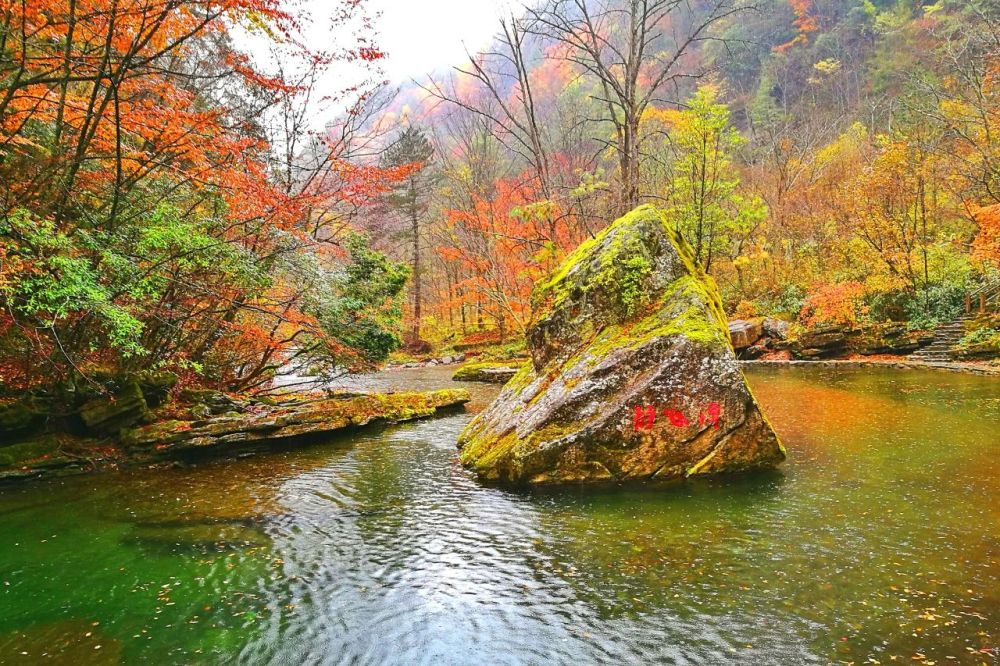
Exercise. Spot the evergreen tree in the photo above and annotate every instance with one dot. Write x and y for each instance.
(409, 199)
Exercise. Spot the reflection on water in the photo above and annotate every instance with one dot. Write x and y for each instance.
(878, 538)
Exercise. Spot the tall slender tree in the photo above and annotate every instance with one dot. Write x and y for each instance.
(409, 200)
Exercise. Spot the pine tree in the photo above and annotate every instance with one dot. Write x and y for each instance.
(409, 200)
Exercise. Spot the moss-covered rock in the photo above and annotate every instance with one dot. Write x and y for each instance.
(18, 417)
(288, 421)
(492, 372)
(27, 452)
(107, 415)
(156, 385)
(632, 375)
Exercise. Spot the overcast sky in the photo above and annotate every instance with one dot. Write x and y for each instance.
(418, 37)
(421, 35)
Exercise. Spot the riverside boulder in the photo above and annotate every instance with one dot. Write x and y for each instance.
(632, 374)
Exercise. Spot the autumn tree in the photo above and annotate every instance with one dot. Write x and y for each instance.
(636, 52)
(142, 222)
(704, 199)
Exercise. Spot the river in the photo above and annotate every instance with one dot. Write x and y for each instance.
(879, 538)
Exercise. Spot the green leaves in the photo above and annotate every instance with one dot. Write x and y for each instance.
(64, 283)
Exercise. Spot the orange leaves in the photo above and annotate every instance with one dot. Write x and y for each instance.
(838, 303)
(135, 122)
(987, 243)
(503, 243)
(361, 184)
(805, 21)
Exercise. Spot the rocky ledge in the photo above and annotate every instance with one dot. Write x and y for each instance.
(773, 339)
(216, 425)
(632, 374)
(488, 372)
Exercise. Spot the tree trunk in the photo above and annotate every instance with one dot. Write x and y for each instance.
(414, 220)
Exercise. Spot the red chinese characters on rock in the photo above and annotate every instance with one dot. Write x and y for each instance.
(645, 417)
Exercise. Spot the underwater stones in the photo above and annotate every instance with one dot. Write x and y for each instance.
(73, 641)
(632, 373)
(200, 537)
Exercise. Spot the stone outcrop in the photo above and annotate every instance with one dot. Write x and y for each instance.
(176, 432)
(107, 415)
(632, 375)
(745, 332)
(776, 328)
(288, 421)
(491, 373)
(827, 342)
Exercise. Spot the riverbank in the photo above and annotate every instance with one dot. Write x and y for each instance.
(500, 373)
(175, 435)
(901, 364)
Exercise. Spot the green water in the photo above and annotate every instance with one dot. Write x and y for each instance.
(877, 541)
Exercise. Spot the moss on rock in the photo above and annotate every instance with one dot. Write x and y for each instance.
(628, 321)
(295, 419)
(493, 372)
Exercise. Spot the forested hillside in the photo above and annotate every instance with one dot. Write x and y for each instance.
(830, 161)
(167, 203)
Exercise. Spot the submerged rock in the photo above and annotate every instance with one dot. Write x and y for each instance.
(632, 373)
(71, 641)
(198, 537)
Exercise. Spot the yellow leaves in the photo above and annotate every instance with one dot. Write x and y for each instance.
(825, 68)
(666, 118)
(843, 148)
(741, 261)
(957, 110)
(932, 9)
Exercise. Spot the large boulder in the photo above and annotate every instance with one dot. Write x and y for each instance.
(745, 332)
(107, 415)
(632, 374)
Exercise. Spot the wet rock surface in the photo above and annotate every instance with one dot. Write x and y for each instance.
(489, 372)
(290, 420)
(632, 374)
(205, 428)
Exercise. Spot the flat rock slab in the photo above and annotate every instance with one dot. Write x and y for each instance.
(491, 373)
(632, 374)
(286, 422)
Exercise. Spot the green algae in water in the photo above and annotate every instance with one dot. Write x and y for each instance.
(877, 538)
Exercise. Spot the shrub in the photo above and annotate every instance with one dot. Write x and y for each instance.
(934, 305)
(746, 310)
(982, 335)
(840, 303)
(788, 302)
